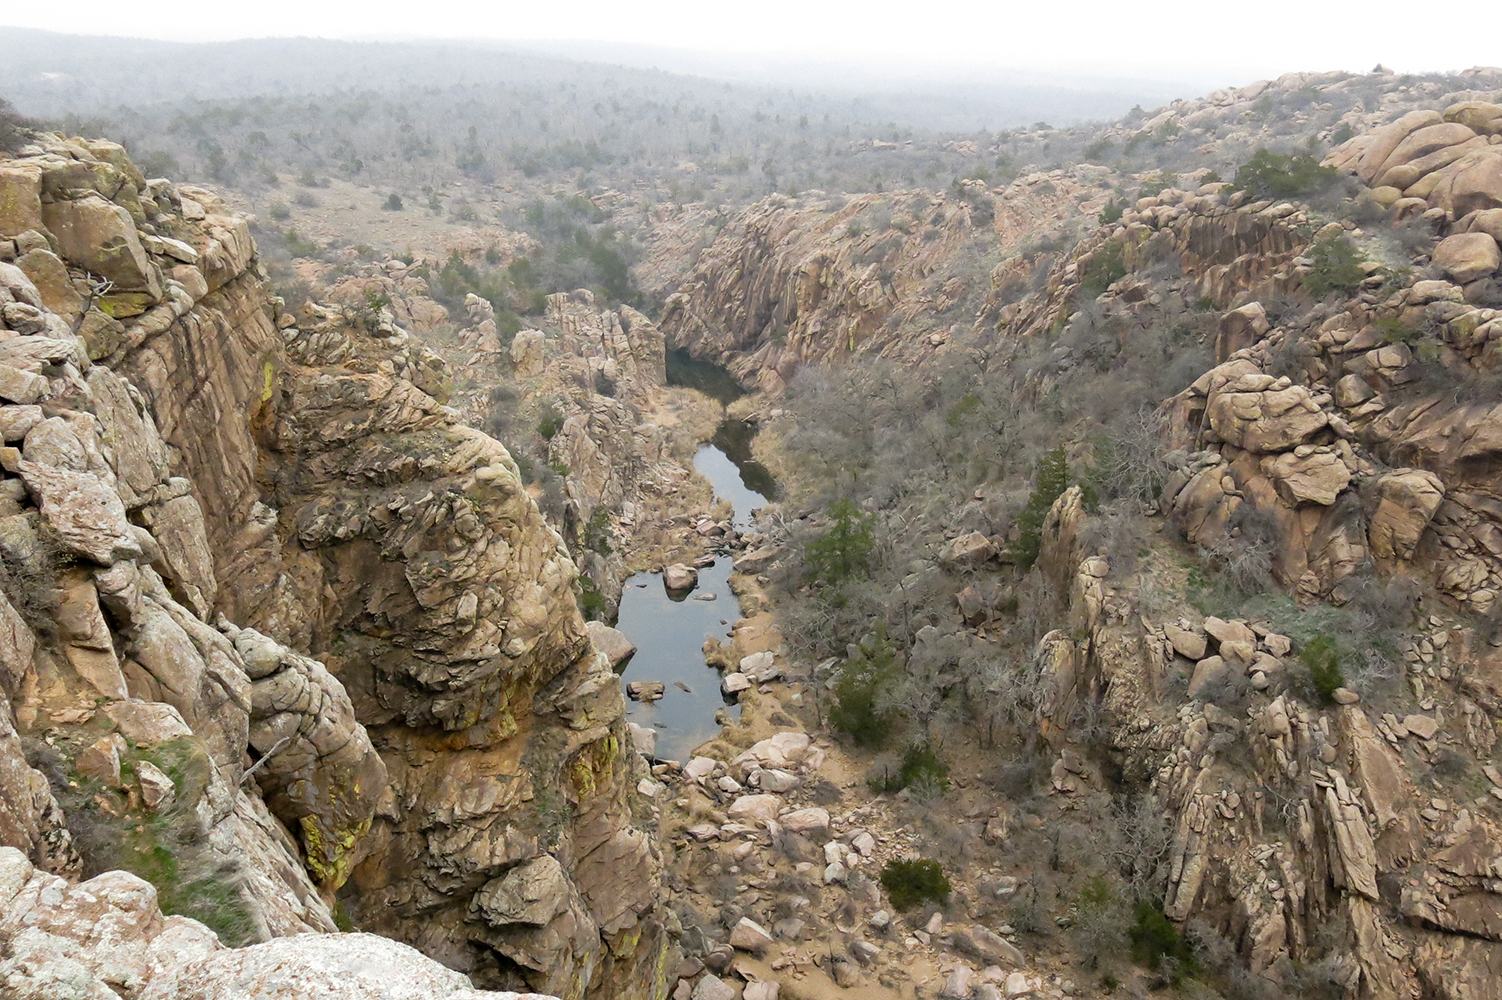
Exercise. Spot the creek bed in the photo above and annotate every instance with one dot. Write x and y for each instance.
(669, 628)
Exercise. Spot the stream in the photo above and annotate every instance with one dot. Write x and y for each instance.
(669, 627)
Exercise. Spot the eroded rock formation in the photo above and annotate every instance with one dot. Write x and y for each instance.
(270, 599)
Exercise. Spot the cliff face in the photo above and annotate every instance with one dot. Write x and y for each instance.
(794, 282)
(1357, 438)
(230, 539)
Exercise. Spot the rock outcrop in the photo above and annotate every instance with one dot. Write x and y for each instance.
(307, 623)
(1325, 441)
(798, 282)
(107, 937)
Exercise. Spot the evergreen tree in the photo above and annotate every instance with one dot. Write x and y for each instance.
(1050, 483)
(844, 548)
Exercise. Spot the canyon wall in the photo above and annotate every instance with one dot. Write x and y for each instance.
(283, 635)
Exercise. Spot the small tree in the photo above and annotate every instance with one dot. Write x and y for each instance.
(1098, 271)
(1323, 661)
(1050, 483)
(1157, 944)
(911, 883)
(393, 203)
(1336, 267)
(859, 688)
(844, 548)
(1273, 175)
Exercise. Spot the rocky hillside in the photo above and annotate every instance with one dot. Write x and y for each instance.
(285, 638)
(292, 641)
(1326, 764)
(791, 281)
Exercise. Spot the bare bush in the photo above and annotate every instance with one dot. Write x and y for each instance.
(1139, 848)
(1121, 529)
(1243, 558)
(1130, 465)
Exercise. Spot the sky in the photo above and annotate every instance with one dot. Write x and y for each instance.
(1168, 39)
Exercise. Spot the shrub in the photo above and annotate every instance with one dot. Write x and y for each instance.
(1322, 659)
(297, 246)
(920, 768)
(1101, 920)
(549, 422)
(393, 203)
(844, 548)
(279, 211)
(1336, 267)
(1100, 269)
(1111, 213)
(861, 680)
(911, 883)
(1273, 175)
(1156, 942)
(1051, 482)
(597, 532)
(592, 603)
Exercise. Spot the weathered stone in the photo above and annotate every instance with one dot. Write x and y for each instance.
(1229, 631)
(968, 550)
(814, 820)
(1422, 726)
(19, 386)
(1406, 502)
(86, 515)
(1315, 478)
(747, 935)
(643, 739)
(53, 283)
(614, 644)
(712, 987)
(1480, 116)
(533, 893)
(734, 683)
(645, 690)
(527, 353)
(17, 421)
(764, 989)
(20, 197)
(758, 560)
(101, 760)
(1467, 256)
(989, 947)
(680, 577)
(101, 237)
(148, 722)
(1250, 413)
(1186, 642)
(1240, 328)
(972, 606)
(336, 966)
(1352, 390)
(958, 984)
(157, 790)
(1206, 672)
(754, 808)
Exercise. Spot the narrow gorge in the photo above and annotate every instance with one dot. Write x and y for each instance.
(1080, 579)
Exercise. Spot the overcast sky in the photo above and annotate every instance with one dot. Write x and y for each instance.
(1162, 40)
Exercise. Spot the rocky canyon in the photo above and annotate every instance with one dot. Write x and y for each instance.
(1089, 539)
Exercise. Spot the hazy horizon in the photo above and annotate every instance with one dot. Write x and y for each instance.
(1173, 43)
